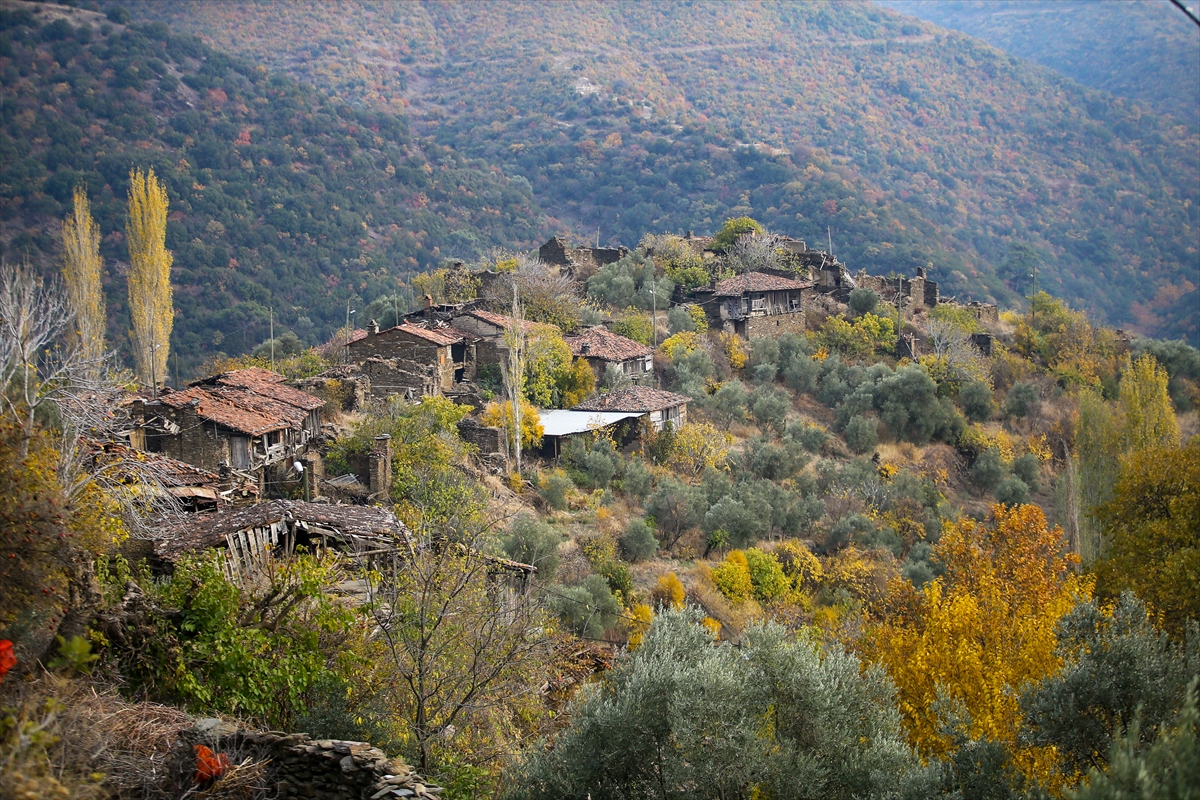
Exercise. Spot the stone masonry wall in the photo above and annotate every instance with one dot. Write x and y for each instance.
(297, 766)
(775, 325)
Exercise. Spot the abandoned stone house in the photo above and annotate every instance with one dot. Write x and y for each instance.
(915, 294)
(603, 349)
(194, 488)
(580, 263)
(244, 420)
(413, 360)
(757, 304)
(660, 407)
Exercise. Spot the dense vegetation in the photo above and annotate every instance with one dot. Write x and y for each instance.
(280, 197)
(1149, 52)
(910, 144)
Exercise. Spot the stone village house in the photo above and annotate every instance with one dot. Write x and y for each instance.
(758, 304)
(246, 421)
(602, 349)
(660, 407)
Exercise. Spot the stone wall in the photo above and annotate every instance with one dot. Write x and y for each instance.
(297, 766)
(395, 376)
(775, 325)
(485, 438)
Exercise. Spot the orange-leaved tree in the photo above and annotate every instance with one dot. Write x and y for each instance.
(977, 636)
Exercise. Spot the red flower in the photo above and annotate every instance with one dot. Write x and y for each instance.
(7, 659)
(209, 765)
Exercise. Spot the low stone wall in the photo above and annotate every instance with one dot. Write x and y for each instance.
(297, 766)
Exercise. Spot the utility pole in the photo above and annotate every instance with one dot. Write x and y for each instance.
(654, 312)
(272, 334)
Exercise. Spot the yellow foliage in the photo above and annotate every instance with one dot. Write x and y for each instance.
(714, 627)
(699, 445)
(680, 344)
(732, 577)
(1038, 446)
(978, 438)
(799, 564)
(642, 615)
(668, 592)
(500, 415)
(151, 311)
(821, 354)
(699, 318)
(734, 348)
(83, 271)
(853, 572)
(1149, 415)
(983, 632)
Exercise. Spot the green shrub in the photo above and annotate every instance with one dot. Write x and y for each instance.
(863, 300)
(556, 490)
(587, 610)
(533, 542)
(988, 469)
(636, 479)
(638, 542)
(975, 399)
(769, 406)
(1027, 469)
(678, 320)
(862, 433)
(1012, 491)
(1022, 400)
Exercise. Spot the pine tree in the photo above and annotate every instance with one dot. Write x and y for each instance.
(82, 270)
(150, 305)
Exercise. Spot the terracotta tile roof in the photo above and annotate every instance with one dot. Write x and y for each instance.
(639, 399)
(607, 346)
(266, 383)
(504, 321)
(352, 524)
(439, 336)
(756, 282)
(223, 407)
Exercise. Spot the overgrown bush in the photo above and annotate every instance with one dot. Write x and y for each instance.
(863, 300)
(862, 433)
(988, 469)
(976, 401)
(1022, 400)
(638, 542)
(587, 610)
(531, 541)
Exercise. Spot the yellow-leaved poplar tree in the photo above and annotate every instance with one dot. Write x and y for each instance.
(1149, 415)
(979, 635)
(82, 270)
(150, 308)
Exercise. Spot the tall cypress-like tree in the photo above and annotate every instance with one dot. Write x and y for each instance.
(82, 270)
(150, 307)
(1149, 413)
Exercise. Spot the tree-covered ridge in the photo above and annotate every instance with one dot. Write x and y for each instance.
(911, 143)
(1146, 51)
(279, 195)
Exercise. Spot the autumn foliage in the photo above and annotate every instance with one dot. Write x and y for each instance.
(980, 634)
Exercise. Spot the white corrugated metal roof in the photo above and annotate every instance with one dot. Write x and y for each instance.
(562, 422)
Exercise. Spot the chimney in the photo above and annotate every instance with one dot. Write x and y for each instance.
(380, 480)
(429, 311)
(373, 328)
(920, 272)
(585, 348)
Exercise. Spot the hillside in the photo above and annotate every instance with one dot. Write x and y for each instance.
(280, 196)
(1145, 51)
(906, 143)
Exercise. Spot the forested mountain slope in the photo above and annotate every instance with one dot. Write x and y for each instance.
(280, 197)
(909, 143)
(1146, 50)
